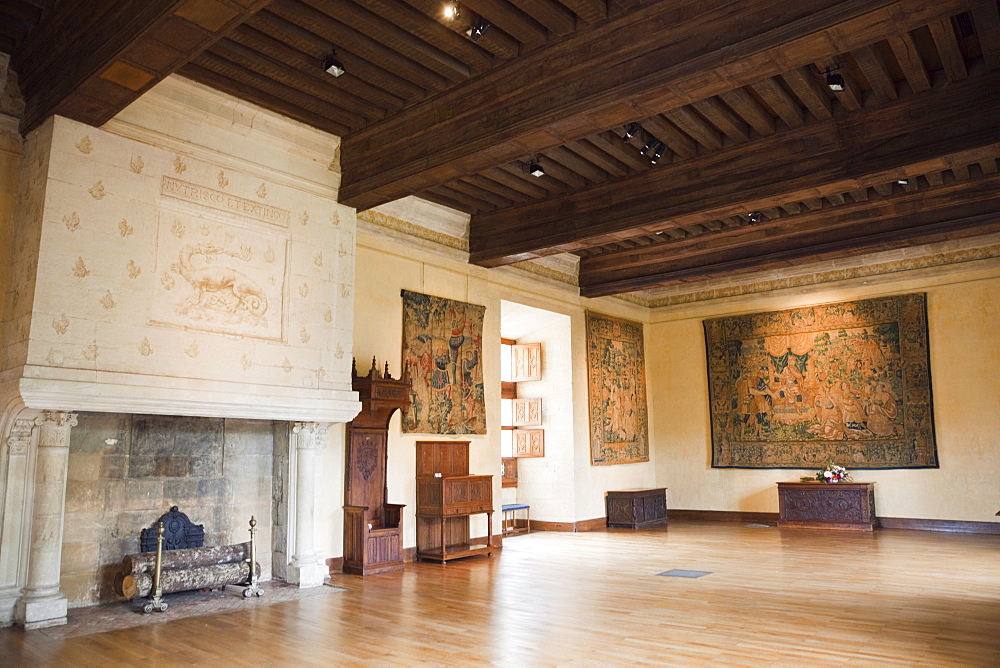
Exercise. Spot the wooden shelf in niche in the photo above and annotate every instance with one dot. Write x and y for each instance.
(529, 442)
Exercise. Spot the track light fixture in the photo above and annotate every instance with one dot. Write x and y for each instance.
(630, 131)
(478, 29)
(333, 66)
(653, 150)
(534, 167)
(834, 81)
(754, 217)
(903, 182)
(451, 11)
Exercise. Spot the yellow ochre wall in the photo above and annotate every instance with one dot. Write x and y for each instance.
(384, 267)
(964, 330)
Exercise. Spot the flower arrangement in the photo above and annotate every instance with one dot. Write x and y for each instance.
(832, 473)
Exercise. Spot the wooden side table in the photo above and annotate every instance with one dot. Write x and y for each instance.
(820, 505)
(636, 508)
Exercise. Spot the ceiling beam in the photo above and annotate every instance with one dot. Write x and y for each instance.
(871, 237)
(959, 199)
(657, 57)
(905, 138)
(92, 58)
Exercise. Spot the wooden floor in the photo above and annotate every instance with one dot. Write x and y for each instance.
(787, 598)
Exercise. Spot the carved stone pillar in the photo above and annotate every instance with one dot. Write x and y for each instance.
(14, 509)
(307, 568)
(42, 603)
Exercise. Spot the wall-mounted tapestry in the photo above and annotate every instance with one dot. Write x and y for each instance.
(846, 382)
(616, 373)
(443, 351)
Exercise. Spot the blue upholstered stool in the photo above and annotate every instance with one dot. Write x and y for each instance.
(509, 524)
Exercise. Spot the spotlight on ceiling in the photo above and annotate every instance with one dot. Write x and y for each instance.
(450, 11)
(478, 29)
(754, 217)
(333, 66)
(903, 181)
(835, 82)
(630, 131)
(653, 150)
(534, 167)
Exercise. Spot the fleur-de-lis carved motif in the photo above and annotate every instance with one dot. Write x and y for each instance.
(304, 218)
(246, 362)
(342, 249)
(272, 280)
(287, 365)
(205, 229)
(80, 268)
(335, 218)
(318, 260)
(60, 324)
(179, 165)
(145, 349)
(269, 255)
(223, 181)
(178, 228)
(304, 335)
(107, 301)
(72, 221)
(167, 281)
(85, 145)
(262, 191)
(304, 290)
(136, 164)
(339, 352)
(90, 352)
(321, 373)
(345, 291)
(192, 350)
(124, 228)
(132, 269)
(328, 315)
(97, 191)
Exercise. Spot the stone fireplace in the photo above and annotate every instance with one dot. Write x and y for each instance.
(177, 331)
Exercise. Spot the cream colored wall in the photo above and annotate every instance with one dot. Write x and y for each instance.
(963, 320)
(384, 267)
(548, 484)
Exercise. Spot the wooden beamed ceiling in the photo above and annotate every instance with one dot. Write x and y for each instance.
(731, 96)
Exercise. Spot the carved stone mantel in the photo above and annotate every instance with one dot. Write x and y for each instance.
(307, 568)
(42, 603)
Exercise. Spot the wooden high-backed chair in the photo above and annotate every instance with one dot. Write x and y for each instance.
(373, 528)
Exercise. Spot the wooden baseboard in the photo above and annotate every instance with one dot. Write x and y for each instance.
(582, 525)
(955, 526)
(722, 516)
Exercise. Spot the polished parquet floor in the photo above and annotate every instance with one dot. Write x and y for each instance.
(773, 598)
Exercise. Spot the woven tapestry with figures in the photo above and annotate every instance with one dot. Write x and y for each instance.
(846, 382)
(443, 351)
(616, 372)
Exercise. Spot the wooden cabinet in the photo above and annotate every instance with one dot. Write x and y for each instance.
(820, 505)
(446, 496)
(636, 508)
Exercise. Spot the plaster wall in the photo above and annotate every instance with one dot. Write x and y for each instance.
(384, 267)
(963, 321)
(548, 483)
